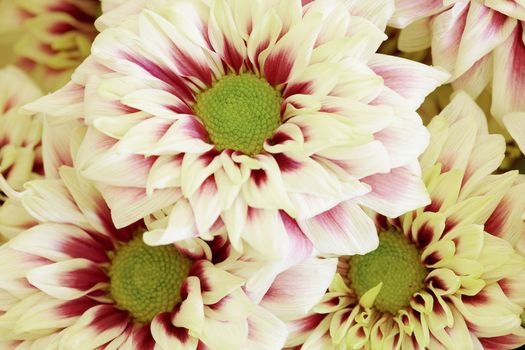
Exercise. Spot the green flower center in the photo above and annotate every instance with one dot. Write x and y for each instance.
(240, 112)
(396, 263)
(146, 280)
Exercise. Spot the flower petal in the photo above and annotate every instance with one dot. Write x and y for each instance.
(343, 230)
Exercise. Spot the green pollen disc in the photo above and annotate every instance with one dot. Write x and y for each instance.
(147, 280)
(240, 112)
(396, 263)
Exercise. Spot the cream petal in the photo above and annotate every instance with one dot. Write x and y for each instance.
(219, 335)
(489, 313)
(515, 124)
(416, 36)
(168, 336)
(265, 331)
(191, 313)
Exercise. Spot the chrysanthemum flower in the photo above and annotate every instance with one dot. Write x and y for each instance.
(446, 276)
(20, 134)
(246, 111)
(48, 38)
(480, 42)
(76, 282)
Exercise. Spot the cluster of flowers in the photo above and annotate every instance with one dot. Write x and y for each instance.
(262, 174)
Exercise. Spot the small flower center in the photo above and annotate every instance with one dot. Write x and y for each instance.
(147, 280)
(396, 263)
(240, 112)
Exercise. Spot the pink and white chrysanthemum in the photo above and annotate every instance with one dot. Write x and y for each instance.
(482, 43)
(74, 281)
(446, 276)
(248, 111)
(48, 38)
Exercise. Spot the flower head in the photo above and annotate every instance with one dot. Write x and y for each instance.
(20, 133)
(447, 275)
(49, 38)
(480, 42)
(244, 112)
(81, 283)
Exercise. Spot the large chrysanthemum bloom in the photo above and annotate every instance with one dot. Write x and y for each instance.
(482, 43)
(446, 276)
(247, 111)
(74, 281)
(48, 38)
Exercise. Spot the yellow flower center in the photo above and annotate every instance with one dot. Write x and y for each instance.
(147, 280)
(396, 263)
(240, 112)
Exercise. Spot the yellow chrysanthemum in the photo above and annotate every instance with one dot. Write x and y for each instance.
(446, 276)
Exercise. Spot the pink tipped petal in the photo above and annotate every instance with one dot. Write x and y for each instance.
(129, 204)
(56, 146)
(181, 226)
(447, 29)
(298, 289)
(62, 105)
(49, 200)
(206, 206)
(403, 127)
(266, 233)
(411, 80)
(225, 36)
(69, 279)
(485, 30)
(343, 230)
(290, 55)
(59, 242)
(98, 326)
(119, 169)
(187, 134)
(407, 11)
(300, 247)
(377, 12)
(215, 282)
(395, 193)
(508, 86)
(265, 188)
